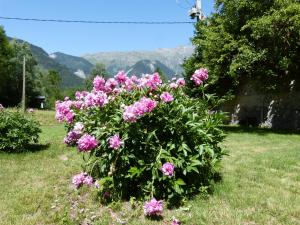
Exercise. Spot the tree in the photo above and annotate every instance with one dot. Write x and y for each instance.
(255, 42)
(98, 70)
(11, 60)
(5, 54)
(50, 87)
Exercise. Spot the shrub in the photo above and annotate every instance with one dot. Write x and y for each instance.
(17, 131)
(143, 138)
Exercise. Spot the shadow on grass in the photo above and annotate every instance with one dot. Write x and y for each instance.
(257, 130)
(37, 147)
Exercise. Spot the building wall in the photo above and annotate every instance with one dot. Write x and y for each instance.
(280, 111)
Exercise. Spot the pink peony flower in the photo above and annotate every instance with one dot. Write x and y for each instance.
(72, 137)
(69, 117)
(173, 85)
(121, 77)
(134, 79)
(199, 76)
(168, 169)
(129, 114)
(115, 142)
(111, 84)
(63, 111)
(82, 178)
(96, 98)
(148, 104)
(166, 97)
(87, 143)
(99, 83)
(88, 180)
(129, 84)
(78, 104)
(175, 222)
(153, 208)
(180, 82)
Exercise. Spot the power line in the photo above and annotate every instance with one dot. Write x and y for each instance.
(97, 22)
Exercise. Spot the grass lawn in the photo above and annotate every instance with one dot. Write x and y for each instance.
(261, 184)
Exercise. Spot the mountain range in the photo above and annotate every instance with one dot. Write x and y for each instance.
(74, 69)
(115, 61)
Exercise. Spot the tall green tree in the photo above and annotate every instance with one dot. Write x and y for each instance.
(254, 42)
(5, 55)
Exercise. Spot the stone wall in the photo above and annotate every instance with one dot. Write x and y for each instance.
(280, 111)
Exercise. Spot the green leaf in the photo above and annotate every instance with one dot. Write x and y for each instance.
(180, 182)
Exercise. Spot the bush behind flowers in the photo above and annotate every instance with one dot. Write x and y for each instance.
(151, 140)
(17, 131)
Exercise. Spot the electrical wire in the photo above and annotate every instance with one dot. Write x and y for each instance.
(97, 22)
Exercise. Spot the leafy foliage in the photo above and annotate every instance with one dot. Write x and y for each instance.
(49, 85)
(17, 131)
(249, 41)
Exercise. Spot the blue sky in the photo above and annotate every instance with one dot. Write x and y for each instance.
(78, 39)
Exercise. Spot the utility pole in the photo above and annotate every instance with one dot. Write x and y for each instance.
(199, 9)
(196, 11)
(24, 80)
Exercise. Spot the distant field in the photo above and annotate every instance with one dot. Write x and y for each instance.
(261, 184)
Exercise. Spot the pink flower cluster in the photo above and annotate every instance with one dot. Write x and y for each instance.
(64, 112)
(138, 109)
(115, 142)
(87, 143)
(199, 76)
(73, 135)
(153, 208)
(166, 97)
(112, 85)
(103, 91)
(99, 83)
(150, 81)
(95, 98)
(168, 169)
(82, 178)
(179, 83)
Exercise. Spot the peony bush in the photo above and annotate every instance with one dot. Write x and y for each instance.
(144, 138)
